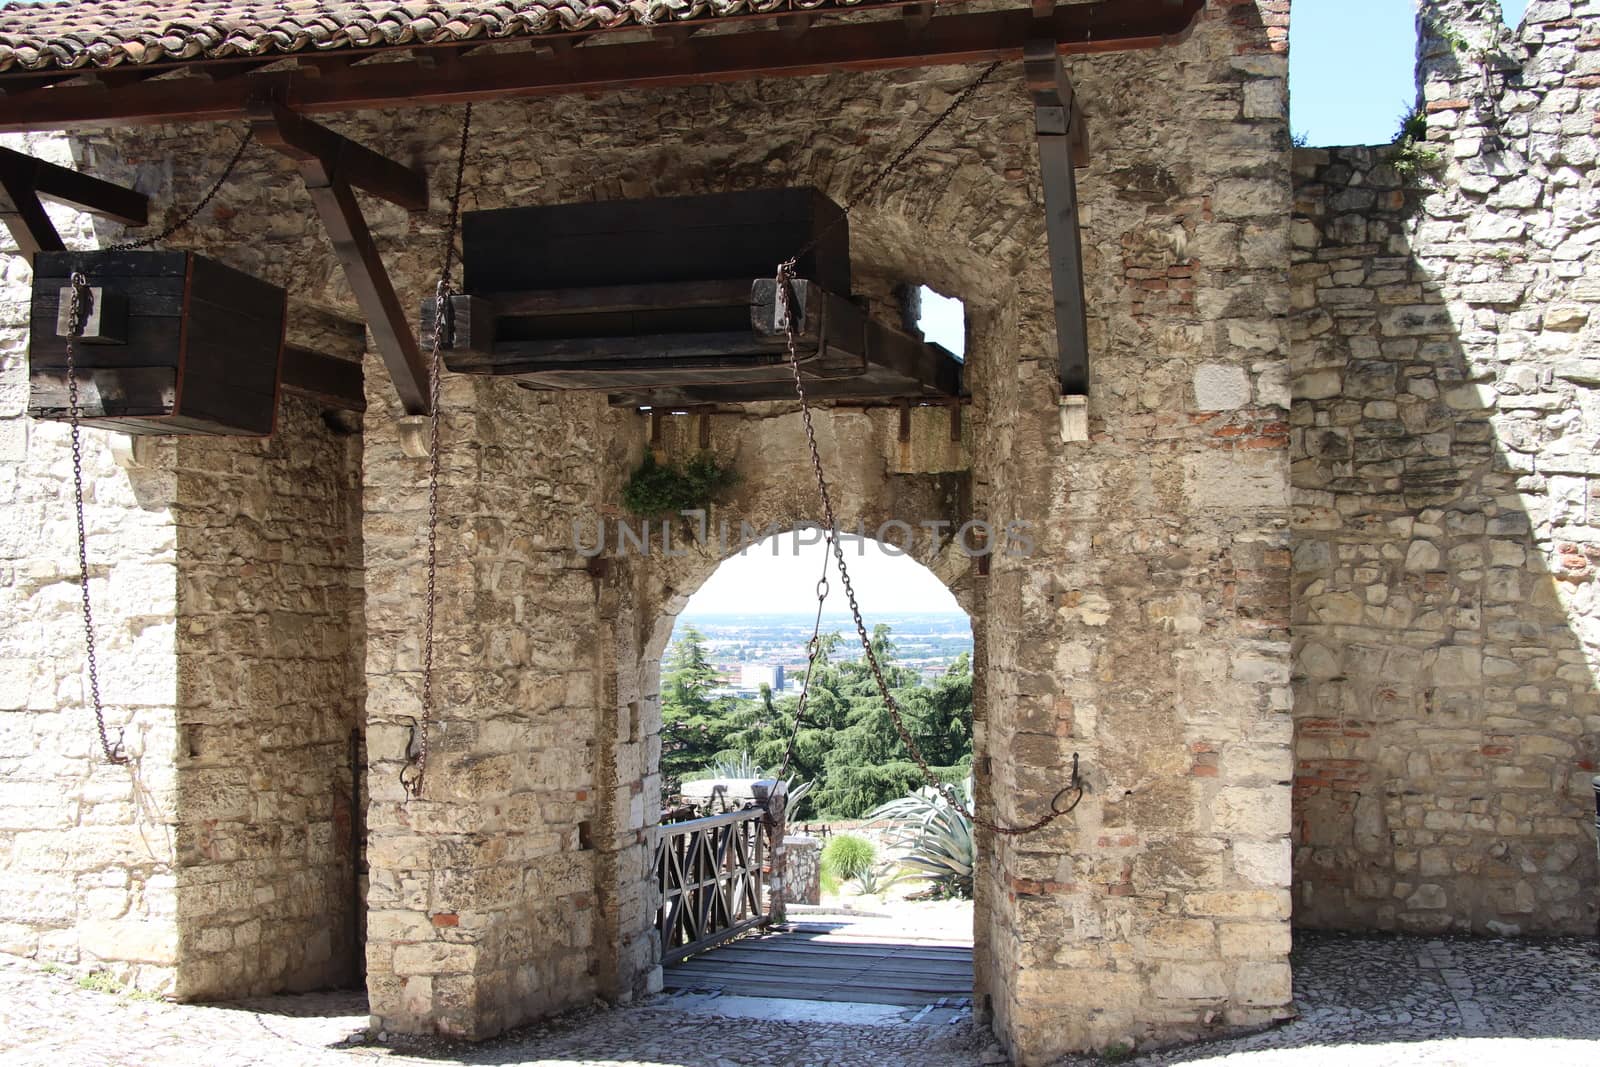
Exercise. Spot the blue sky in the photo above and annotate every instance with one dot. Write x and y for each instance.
(1350, 67)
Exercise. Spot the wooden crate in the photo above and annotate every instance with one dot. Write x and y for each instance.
(198, 352)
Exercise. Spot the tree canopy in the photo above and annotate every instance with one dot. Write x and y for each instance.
(847, 744)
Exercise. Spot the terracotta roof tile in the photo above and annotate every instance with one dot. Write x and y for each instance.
(107, 33)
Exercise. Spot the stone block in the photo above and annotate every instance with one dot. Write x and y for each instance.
(1221, 387)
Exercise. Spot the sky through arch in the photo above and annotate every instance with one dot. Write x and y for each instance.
(778, 575)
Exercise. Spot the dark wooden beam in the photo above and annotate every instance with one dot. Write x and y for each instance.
(881, 44)
(330, 381)
(25, 181)
(344, 160)
(330, 164)
(1055, 117)
(918, 16)
(794, 23)
(24, 216)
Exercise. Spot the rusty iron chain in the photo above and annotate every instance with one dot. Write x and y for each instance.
(411, 777)
(77, 315)
(190, 215)
(1068, 796)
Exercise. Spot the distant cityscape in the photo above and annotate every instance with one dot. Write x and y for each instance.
(749, 650)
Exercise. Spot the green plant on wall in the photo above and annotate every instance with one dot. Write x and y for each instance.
(657, 489)
(1415, 160)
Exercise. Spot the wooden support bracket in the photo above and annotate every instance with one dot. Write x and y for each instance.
(332, 166)
(1058, 124)
(26, 181)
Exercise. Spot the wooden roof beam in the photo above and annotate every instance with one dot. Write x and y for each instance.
(330, 165)
(26, 181)
(880, 44)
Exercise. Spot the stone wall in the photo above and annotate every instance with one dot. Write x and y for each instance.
(1447, 512)
(86, 848)
(1150, 632)
(222, 860)
(269, 646)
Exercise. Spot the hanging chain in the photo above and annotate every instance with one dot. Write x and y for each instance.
(904, 154)
(190, 215)
(412, 776)
(77, 316)
(1069, 796)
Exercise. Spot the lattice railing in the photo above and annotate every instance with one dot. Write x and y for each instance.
(710, 872)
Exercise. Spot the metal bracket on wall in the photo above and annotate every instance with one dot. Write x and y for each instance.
(1063, 144)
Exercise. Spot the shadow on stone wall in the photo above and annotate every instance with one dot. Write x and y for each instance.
(270, 651)
(1444, 704)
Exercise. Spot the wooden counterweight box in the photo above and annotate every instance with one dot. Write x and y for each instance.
(176, 344)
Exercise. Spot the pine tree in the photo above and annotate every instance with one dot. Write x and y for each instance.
(694, 727)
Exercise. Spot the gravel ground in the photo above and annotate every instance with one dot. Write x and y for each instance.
(1363, 1002)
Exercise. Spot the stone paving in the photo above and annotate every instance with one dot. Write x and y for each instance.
(1413, 1002)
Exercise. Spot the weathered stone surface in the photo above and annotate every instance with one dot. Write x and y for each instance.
(1445, 628)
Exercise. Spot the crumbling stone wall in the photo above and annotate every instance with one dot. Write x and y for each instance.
(1447, 630)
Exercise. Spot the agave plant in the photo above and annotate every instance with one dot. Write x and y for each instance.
(745, 768)
(879, 878)
(943, 850)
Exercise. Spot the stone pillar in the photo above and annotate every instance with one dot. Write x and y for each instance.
(802, 870)
(90, 857)
(482, 893)
(221, 861)
(1147, 629)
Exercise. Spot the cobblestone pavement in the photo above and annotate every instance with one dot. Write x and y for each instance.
(1414, 1002)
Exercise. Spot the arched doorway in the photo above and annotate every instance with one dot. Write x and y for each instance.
(876, 869)
(875, 486)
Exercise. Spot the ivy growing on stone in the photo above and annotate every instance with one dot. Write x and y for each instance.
(657, 489)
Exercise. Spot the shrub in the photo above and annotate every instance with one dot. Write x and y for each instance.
(847, 856)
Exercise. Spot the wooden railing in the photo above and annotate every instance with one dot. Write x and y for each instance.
(711, 880)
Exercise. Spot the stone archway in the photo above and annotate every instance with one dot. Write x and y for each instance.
(868, 490)
(1147, 633)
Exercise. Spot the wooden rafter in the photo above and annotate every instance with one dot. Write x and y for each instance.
(881, 44)
(332, 166)
(25, 181)
(1059, 127)
(330, 381)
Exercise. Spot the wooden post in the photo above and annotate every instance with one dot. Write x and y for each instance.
(1058, 124)
(26, 181)
(330, 164)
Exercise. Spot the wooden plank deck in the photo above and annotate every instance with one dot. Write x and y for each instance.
(816, 962)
